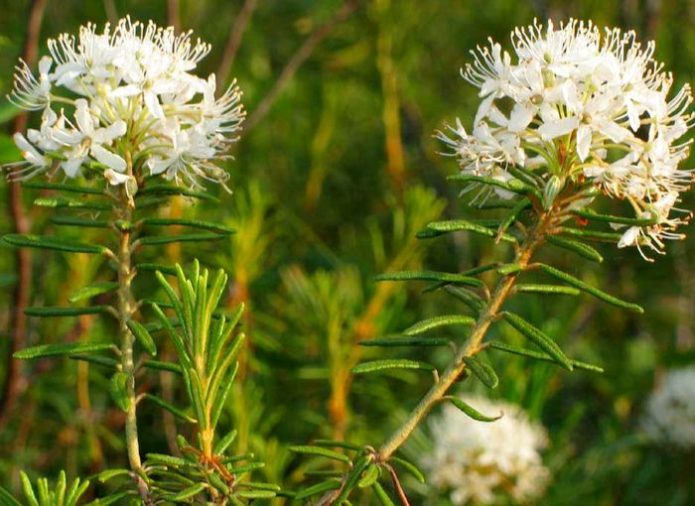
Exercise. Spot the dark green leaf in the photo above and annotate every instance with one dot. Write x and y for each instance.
(149, 267)
(89, 291)
(337, 444)
(162, 366)
(539, 338)
(439, 321)
(549, 289)
(203, 225)
(69, 188)
(591, 235)
(98, 360)
(158, 240)
(445, 227)
(599, 294)
(590, 215)
(143, 337)
(320, 452)
(187, 493)
(388, 364)
(471, 411)
(63, 202)
(56, 311)
(388, 342)
(382, 496)
(224, 443)
(171, 409)
(410, 468)
(52, 350)
(447, 277)
(318, 489)
(581, 249)
(6, 498)
(541, 356)
(119, 391)
(158, 189)
(75, 221)
(484, 372)
(51, 243)
(353, 478)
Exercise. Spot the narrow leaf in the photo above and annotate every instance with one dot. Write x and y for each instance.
(162, 366)
(62, 202)
(353, 478)
(581, 249)
(541, 356)
(429, 276)
(52, 350)
(143, 337)
(318, 489)
(445, 227)
(539, 338)
(75, 221)
(387, 342)
(89, 291)
(471, 411)
(549, 289)
(256, 494)
(28, 489)
(370, 476)
(155, 189)
(591, 235)
(224, 443)
(159, 240)
(382, 496)
(203, 225)
(590, 215)
(331, 443)
(69, 188)
(381, 365)
(439, 321)
(56, 311)
(51, 243)
(6, 498)
(150, 267)
(484, 372)
(320, 452)
(119, 391)
(171, 409)
(599, 294)
(188, 493)
(410, 468)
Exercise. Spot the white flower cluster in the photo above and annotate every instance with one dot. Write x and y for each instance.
(480, 462)
(126, 104)
(587, 107)
(670, 411)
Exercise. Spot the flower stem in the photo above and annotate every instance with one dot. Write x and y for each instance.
(126, 308)
(473, 344)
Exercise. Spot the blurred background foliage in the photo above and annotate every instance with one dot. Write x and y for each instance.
(330, 187)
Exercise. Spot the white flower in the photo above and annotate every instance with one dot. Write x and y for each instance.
(594, 107)
(139, 109)
(478, 462)
(670, 411)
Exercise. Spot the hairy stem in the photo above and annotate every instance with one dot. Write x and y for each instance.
(472, 346)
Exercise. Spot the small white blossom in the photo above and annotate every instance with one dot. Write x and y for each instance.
(139, 108)
(477, 463)
(670, 410)
(594, 108)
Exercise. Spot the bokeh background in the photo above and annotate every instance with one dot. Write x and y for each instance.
(336, 171)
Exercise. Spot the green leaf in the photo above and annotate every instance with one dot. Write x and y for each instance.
(581, 249)
(484, 372)
(52, 350)
(225, 442)
(318, 489)
(468, 297)
(539, 338)
(319, 451)
(382, 496)
(6, 498)
(171, 409)
(599, 294)
(150, 267)
(590, 215)
(203, 225)
(447, 277)
(167, 460)
(541, 356)
(162, 366)
(75, 221)
(63, 202)
(159, 189)
(369, 477)
(549, 289)
(512, 216)
(382, 365)
(89, 291)
(507, 269)
(119, 391)
(513, 185)
(337, 444)
(387, 342)
(187, 493)
(110, 474)
(143, 337)
(256, 494)
(411, 468)
(69, 188)
(445, 227)
(353, 478)
(51, 243)
(28, 489)
(57, 311)
(159, 240)
(471, 412)
(591, 235)
(438, 321)
(98, 360)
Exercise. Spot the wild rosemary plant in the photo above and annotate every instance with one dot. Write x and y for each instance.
(126, 125)
(574, 115)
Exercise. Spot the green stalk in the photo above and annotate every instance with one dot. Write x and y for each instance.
(472, 346)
